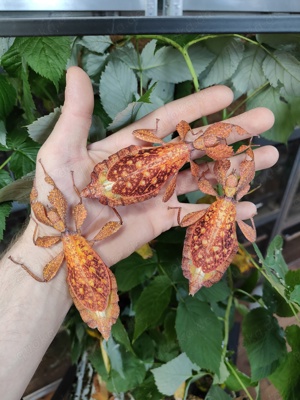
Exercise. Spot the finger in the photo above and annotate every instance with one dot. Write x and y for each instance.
(254, 122)
(189, 108)
(72, 128)
(264, 157)
(244, 210)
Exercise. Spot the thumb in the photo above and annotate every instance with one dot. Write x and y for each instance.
(72, 128)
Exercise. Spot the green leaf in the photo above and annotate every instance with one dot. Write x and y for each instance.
(279, 40)
(237, 380)
(5, 179)
(163, 90)
(215, 392)
(284, 125)
(131, 113)
(5, 44)
(199, 333)
(133, 374)
(128, 55)
(118, 86)
(275, 302)
(120, 335)
(175, 236)
(283, 68)
(27, 101)
(264, 342)
(170, 258)
(24, 154)
(47, 56)
(3, 133)
(96, 360)
(5, 209)
(8, 96)
(18, 190)
(113, 351)
(169, 325)
(147, 390)
(127, 371)
(171, 375)
(286, 378)
(295, 295)
(93, 63)
(293, 336)
(274, 261)
(40, 129)
(146, 97)
(134, 270)
(97, 44)
(249, 74)
(223, 373)
(151, 304)
(167, 64)
(167, 349)
(292, 279)
(228, 54)
(217, 292)
(144, 349)
(183, 89)
(12, 61)
(136, 110)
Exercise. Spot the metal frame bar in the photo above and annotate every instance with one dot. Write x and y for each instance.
(30, 24)
(75, 5)
(239, 5)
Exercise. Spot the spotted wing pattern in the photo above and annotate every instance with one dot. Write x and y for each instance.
(102, 320)
(88, 276)
(210, 245)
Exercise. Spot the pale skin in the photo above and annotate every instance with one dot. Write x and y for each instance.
(32, 312)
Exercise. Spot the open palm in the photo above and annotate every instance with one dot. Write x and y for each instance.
(65, 151)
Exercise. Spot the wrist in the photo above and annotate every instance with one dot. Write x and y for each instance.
(35, 258)
(31, 312)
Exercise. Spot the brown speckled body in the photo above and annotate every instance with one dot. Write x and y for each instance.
(91, 284)
(213, 140)
(136, 173)
(88, 276)
(210, 245)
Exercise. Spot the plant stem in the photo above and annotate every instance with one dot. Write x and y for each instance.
(294, 307)
(140, 69)
(5, 162)
(191, 68)
(226, 326)
(259, 301)
(172, 283)
(232, 370)
(182, 50)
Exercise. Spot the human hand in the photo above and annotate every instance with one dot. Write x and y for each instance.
(65, 150)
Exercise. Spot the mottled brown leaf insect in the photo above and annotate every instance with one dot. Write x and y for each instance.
(211, 242)
(92, 285)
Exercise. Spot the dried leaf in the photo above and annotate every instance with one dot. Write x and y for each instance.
(243, 261)
(145, 251)
(18, 190)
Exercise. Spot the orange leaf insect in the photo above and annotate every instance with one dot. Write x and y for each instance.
(137, 173)
(211, 242)
(213, 140)
(91, 284)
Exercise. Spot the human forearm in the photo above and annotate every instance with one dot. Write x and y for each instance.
(30, 313)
